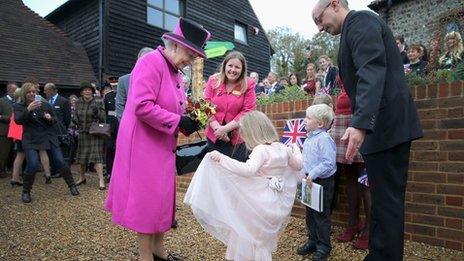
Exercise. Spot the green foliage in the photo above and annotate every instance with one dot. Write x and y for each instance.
(289, 50)
(443, 75)
(459, 71)
(292, 93)
(413, 79)
(324, 43)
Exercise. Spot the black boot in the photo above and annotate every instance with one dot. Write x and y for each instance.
(28, 180)
(68, 178)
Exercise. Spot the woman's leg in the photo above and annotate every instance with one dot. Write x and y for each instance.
(158, 246)
(32, 160)
(82, 173)
(99, 169)
(145, 247)
(45, 162)
(60, 164)
(17, 165)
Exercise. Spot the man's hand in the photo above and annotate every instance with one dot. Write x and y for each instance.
(355, 139)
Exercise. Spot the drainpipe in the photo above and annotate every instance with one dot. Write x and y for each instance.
(101, 68)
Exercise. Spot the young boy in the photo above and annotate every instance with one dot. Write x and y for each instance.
(319, 161)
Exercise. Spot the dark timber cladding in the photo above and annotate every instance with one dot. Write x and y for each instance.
(125, 30)
(79, 19)
(33, 48)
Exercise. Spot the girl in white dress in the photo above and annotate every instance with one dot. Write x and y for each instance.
(246, 205)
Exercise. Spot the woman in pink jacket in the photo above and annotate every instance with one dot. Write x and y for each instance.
(141, 195)
(233, 94)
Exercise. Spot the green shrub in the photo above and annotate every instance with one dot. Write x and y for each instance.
(292, 93)
(443, 75)
(459, 71)
(414, 79)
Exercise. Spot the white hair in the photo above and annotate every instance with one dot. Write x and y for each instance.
(321, 112)
(144, 51)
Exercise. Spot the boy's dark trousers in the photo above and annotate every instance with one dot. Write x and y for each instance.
(319, 224)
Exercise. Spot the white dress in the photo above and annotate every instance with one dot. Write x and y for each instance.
(246, 205)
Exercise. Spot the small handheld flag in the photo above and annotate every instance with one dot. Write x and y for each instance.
(294, 132)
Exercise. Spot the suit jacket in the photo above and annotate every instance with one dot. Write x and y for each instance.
(371, 69)
(121, 95)
(38, 132)
(62, 110)
(330, 78)
(6, 107)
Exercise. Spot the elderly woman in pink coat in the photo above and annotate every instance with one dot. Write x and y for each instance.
(141, 195)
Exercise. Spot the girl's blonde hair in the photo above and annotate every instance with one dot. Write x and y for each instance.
(25, 88)
(323, 99)
(256, 128)
(458, 49)
(321, 112)
(242, 79)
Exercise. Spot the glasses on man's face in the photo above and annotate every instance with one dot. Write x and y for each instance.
(318, 19)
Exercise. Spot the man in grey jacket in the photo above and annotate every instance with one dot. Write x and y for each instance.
(123, 87)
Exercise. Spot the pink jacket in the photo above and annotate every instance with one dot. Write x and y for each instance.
(229, 106)
(141, 195)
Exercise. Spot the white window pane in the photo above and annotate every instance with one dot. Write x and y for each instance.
(172, 6)
(240, 33)
(170, 22)
(156, 3)
(154, 17)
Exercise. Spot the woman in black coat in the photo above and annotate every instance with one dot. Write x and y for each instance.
(39, 134)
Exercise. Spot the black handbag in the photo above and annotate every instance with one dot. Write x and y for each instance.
(100, 129)
(189, 156)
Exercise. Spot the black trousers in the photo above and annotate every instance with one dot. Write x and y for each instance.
(388, 173)
(238, 152)
(319, 224)
(5, 150)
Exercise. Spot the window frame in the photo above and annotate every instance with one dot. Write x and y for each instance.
(245, 29)
(164, 11)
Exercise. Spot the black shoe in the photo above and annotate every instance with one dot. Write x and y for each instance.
(320, 255)
(56, 176)
(306, 249)
(170, 257)
(16, 183)
(26, 197)
(174, 224)
(82, 182)
(48, 180)
(74, 191)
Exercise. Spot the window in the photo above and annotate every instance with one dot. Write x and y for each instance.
(164, 13)
(240, 32)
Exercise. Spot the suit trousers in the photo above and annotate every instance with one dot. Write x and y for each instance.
(388, 174)
(5, 145)
(319, 224)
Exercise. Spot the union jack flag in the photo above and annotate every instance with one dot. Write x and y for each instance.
(294, 132)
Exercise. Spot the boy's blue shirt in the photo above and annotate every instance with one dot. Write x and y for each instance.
(319, 155)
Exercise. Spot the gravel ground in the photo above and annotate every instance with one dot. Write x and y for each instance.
(57, 226)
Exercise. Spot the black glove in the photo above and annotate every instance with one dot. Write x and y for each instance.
(188, 125)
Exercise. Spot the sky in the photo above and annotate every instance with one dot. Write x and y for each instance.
(294, 14)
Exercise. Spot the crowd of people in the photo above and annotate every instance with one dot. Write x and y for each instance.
(244, 189)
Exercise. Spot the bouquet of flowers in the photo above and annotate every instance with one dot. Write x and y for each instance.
(200, 110)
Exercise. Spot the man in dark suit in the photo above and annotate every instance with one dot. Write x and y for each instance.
(6, 107)
(385, 119)
(122, 90)
(62, 111)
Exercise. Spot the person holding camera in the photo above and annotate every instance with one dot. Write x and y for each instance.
(39, 134)
(90, 148)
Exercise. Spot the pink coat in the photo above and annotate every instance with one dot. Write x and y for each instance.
(229, 106)
(141, 194)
